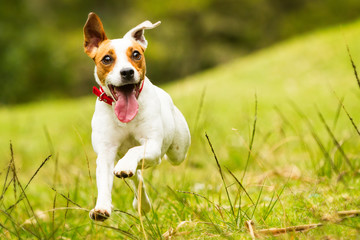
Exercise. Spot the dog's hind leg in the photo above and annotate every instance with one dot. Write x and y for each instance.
(181, 142)
(141, 199)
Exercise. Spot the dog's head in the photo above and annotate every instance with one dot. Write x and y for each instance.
(119, 63)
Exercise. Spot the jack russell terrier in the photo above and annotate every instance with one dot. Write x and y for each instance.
(134, 121)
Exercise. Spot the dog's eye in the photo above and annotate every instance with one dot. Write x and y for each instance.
(107, 60)
(136, 55)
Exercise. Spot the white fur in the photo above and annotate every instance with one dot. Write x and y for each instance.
(159, 128)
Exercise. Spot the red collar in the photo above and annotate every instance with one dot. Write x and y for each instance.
(105, 98)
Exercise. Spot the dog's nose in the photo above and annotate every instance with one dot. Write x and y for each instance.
(127, 73)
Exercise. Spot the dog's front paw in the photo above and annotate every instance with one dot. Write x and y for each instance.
(99, 214)
(125, 169)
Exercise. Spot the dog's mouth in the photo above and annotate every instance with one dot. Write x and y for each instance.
(125, 96)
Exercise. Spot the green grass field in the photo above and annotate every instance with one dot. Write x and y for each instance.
(288, 153)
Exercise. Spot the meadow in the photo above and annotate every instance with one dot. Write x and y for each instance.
(274, 140)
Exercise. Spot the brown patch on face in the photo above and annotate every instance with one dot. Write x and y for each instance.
(139, 64)
(102, 68)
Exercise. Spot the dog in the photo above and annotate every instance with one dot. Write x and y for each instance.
(134, 120)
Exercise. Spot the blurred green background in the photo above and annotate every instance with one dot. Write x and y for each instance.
(42, 55)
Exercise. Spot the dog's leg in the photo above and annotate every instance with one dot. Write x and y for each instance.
(181, 142)
(140, 194)
(149, 152)
(104, 181)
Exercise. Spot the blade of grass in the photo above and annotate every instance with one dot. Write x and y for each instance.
(257, 201)
(9, 168)
(65, 216)
(217, 207)
(6, 185)
(156, 220)
(139, 194)
(22, 194)
(155, 231)
(11, 219)
(53, 217)
(201, 103)
(21, 197)
(6, 188)
(348, 115)
(324, 152)
(338, 110)
(13, 168)
(299, 135)
(239, 215)
(8, 230)
(221, 174)
(242, 187)
(66, 198)
(315, 136)
(353, 65)
(182, 201)
(270, 208)
(28, 203)
(129, 214)
(86, 156)
(252, 138)
(123, 232)
(52, 153)
(336, 141)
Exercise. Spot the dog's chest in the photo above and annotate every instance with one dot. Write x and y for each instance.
(126, 143)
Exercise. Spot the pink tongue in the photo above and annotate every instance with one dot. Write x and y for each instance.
(126, 106)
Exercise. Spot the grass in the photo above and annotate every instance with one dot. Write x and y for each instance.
(281, 149)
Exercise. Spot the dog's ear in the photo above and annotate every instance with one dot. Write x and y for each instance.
(94, 34)
(137, 33)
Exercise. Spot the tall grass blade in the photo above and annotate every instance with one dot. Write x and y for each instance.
(37, 171)
(348, 115)
(28, 203)
(324, 151)
(52, 153)
(257, 201)
(242, 187)
(123, 232)
(86, 156)
(198, 114)
(128, 214)
(221, 173)
(239, 215)
(284, 118)
(13, 169)
(66, 212)
(299, 135)
(217, 207)
(182, 201)
(18, 226)
(21, 197)
(6, 185)
(270, 208)
(353, 65)
(67, 198)
(337, 115)
(6, 188)
(252, 138)
(315, 136)
(8, 230)
(53, 216)
(337, 144)
(155, 231)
